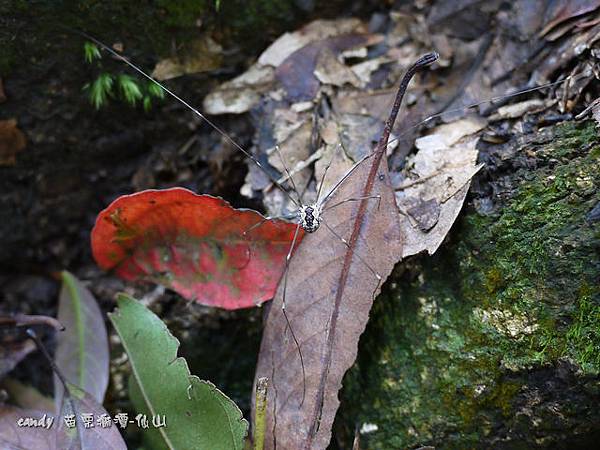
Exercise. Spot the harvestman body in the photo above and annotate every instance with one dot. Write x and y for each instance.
(309, 217)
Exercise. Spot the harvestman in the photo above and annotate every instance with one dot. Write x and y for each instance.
(309, 216)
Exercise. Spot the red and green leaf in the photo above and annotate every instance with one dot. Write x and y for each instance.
(197, 245)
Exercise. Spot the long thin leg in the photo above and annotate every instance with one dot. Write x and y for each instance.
(266, 219)
(346, 175)
(287, 172)
(345, 242)
(323, 177)
(287, 320)
(255, 226)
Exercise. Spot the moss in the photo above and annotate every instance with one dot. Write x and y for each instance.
(444, 358)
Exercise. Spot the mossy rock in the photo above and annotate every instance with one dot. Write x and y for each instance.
(495, 341)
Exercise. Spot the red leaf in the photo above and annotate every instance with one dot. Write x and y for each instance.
(193, 244)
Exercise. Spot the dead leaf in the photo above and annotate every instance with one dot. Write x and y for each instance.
(317, 30)
(330, 290)
(439, 178)
(240, 94)
(329, 70)
(517, 110)
(296, 73)
(82, 348)
(14, 437)
(79, 402)
(202, 55)
(294, 148)
(193, 244)
(12, 141)
(563, 10)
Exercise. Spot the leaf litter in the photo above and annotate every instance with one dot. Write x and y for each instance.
(430, 186)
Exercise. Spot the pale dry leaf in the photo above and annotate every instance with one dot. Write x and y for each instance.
(318, 30)
(239, 95)
(518, 110)
(339, 163)
(329, 70)
(203, 54)
(293, 150)
(432, 198)
(447, 135)
(364, 69)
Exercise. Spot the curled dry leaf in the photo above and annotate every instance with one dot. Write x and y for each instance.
(193, 244)
(12, 141)
(439, 178)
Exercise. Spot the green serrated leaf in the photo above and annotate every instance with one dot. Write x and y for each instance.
(129, 88)
(198, 415)
(91, 52)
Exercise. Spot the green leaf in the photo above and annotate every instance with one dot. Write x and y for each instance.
(100, 89)
(147, 103)
(154, 90)
(198, 415)
(129, 88)
(91, 52)
(82, 348)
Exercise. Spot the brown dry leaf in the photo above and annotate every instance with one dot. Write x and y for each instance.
(12, 141)
(296, 73)
(563, 10)
(331, 286)
(204, 54)
(325, 278)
